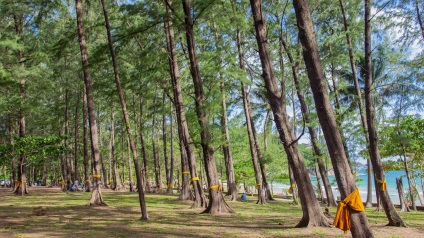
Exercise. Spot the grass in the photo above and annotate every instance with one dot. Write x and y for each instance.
(69, 216)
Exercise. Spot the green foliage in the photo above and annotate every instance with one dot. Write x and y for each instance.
(34, 148)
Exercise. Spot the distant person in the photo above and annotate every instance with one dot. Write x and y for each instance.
(327, 213)
(243, 197)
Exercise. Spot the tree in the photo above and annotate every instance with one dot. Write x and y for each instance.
(312, 214)
(217, 203)
(96, 195)
(344, 176)
(188, 160)
(392, 215)
(141, 198)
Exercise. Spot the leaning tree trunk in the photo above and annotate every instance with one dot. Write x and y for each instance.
(368, 203)
(403, 204)
(141, 198)
(392, 215)
(189, 166)
(156, 162)
(96, 195)
(312, 133)
(408, 178)
(249, 125)
(217, 203)
(312, 214)
(343, 173)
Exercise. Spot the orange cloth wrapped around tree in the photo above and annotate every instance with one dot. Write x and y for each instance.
(342, 219)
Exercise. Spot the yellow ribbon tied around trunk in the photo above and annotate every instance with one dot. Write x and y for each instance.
(186, 172)
(293, 185)
(258, 185)
(342, 219)
(97, 176)
(383, 185)
(217, 187)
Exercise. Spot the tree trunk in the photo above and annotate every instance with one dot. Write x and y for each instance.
(368, 203)
(229, 167)
(420, 22)
(130, 169)
(142, 201)
(156, 162)
(67, 158)
(96, 195)
(170, 189)
(76, 157)
(185, 140)
(312, 215)
(392, 215)
(143, 153)
(85, 142)
(102, 164)
(165, 150)
(249, 125)
(403, 204)
(312, 133)
(343, 173)
(226, 149)
(217, 203)
(408, 177)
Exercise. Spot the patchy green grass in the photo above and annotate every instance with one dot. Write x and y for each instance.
(69, 216)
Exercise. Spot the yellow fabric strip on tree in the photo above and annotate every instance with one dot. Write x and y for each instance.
(87, 180)
(97, 176)
(257, 185)
(186, 172)
(218, 187)
(195, 179)
(293, 185)
(170, 185)
(342, 219)
(383, 185)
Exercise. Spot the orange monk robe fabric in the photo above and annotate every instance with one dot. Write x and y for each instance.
(342, 219)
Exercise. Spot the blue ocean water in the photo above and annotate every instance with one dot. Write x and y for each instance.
(362, 181)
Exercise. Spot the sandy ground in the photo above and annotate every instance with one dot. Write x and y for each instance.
(66, 215)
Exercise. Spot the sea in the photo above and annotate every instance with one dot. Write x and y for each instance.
(362, 181)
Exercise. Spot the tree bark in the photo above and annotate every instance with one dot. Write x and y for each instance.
(143, 152)
(170, 189)
(156, 162)
(249, 126)
(226, 149)
(217, 203)
(76, 152)
(343, 173)
(391, 213)
(368, 203)
(96, 195)
(403, 204)
(141, 198)
(312, 133)
(164, 139)
(312, 214)
(85, 145)
(187, 156)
